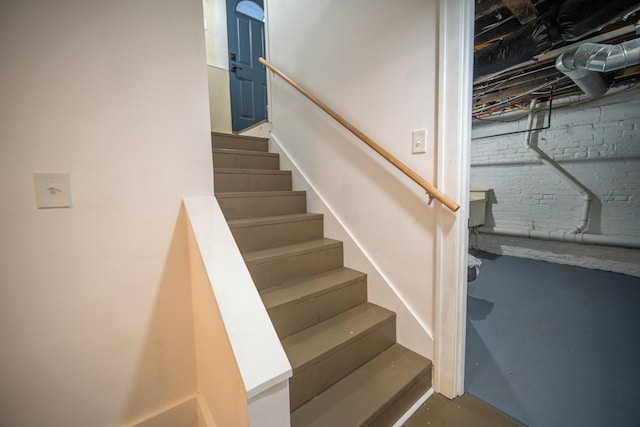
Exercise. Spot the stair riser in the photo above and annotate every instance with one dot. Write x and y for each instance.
(291, 319)
(278, 271)
(305, 385)
(403, 402)
(245, 161)
(233, 182)
(274, 235)
(252, 207)
(236, 142)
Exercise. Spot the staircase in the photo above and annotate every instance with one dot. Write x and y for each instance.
(347, 368)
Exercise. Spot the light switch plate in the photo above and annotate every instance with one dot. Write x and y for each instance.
(52, 190)
(419, 141)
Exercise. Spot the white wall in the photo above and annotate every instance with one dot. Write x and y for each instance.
(222, 394)
(375, 63)
(94, 303)
(599, 143)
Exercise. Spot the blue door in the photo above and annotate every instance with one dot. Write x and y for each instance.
(247, 76)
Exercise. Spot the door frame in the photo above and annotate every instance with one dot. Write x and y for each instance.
(455, 83)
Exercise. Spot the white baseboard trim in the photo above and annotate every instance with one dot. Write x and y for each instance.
(403, 419)
(312, 191)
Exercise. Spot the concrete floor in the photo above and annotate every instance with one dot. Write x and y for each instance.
(554, 345)
(463, 411)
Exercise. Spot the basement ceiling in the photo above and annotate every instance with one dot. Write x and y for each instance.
(518, 41)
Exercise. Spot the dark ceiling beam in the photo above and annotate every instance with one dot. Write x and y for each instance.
(485, 7)
(494, 32)
(514, 86)
(523, 10)
(503, 22)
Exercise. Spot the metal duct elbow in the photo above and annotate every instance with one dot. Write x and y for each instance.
(582, 64)
(589, 82)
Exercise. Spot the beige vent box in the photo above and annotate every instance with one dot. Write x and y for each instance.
(477, 207)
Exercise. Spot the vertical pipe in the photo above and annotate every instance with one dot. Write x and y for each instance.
(544, 158)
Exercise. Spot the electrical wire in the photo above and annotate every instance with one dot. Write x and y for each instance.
(509, 101)
(564, 104)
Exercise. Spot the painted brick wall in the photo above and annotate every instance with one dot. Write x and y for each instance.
(598, 142)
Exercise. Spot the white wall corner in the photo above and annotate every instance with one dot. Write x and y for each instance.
(454, 130)
(181, 414)
(205, 419)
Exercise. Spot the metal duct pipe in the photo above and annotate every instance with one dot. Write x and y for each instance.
(583, 63)
(605, 58)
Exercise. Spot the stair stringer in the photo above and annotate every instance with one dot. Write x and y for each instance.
(411, 331)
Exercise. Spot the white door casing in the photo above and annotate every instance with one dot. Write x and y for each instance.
(455, 71)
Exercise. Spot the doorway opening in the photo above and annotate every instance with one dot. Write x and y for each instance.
(552, 323)
(247, 76)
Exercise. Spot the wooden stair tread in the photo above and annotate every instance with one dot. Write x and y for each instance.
(252, 171)
(242, 152)
(239, 142)
(276, 219)
(249, 194)
(319, 341)
(244, 159)
(364, 394)
(237, 178)
(268, 255)
(281, 297)
(254, 233)
(347, 371)
(306, 301)
(253, 204)
(236, 136)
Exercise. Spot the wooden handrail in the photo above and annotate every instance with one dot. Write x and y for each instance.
(432, 191)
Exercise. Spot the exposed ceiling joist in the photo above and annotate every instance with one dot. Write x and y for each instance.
(485, 7)
(514, 62)
(523, 10)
